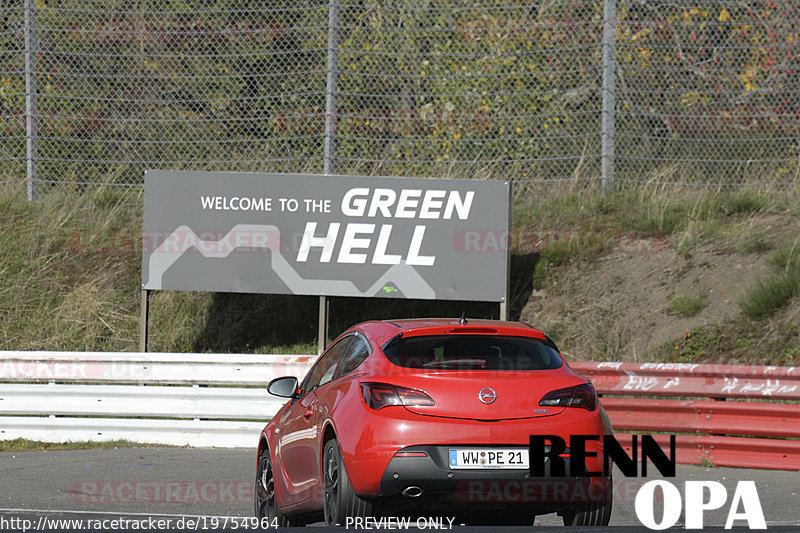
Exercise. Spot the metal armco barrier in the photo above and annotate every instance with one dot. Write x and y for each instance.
(758, 428)
(176, 399)
(221, 400)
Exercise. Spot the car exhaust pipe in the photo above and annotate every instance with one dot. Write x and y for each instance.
(412, 491)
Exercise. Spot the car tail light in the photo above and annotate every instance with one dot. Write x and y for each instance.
(411, 454)
(582, 396)
(380, 395)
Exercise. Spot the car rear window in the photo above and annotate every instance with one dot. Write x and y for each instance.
(473, 352)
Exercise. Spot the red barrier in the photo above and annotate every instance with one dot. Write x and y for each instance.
(682, 379)
(771, 454)
(704, 416)
(726, 433)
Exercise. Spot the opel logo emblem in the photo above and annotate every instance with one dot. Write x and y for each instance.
(487, 395)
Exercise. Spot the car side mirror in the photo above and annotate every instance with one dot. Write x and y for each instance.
(285, 387)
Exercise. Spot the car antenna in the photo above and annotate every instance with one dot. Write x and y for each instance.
(463, 319)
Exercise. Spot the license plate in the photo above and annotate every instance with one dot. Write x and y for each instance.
(510, 458)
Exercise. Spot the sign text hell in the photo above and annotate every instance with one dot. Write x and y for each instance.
(358, 237)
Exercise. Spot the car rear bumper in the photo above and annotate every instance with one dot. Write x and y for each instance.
(371, 455)
(416, 479)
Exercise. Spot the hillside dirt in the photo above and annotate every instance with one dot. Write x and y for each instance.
(617, 305)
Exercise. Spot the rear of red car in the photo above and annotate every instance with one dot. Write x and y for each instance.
(435, 416)
(450, 409)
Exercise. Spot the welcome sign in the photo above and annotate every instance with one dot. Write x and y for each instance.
(324, 235)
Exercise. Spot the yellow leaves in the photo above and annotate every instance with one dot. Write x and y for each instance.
(724, 16)
(693, 98)
(747, 77)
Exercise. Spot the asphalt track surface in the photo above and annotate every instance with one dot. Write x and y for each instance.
(197, 482)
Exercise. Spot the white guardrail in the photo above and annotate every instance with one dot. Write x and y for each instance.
(210, 400)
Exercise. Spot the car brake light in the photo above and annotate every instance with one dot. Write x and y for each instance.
(380, 395)
(582, 396)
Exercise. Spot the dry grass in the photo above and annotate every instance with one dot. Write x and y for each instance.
(71, 270)
(20, 445)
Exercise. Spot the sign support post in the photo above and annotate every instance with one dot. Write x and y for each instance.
(144, 321)
(322, 331)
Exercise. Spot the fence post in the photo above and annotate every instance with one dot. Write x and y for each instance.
(609, 107)
(329, 156)
(31, 148)
(330, 87)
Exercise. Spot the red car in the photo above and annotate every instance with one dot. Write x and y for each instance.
(404, 417)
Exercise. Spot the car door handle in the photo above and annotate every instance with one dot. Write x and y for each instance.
(308, 414)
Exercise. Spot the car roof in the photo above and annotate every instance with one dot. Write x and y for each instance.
(406, 324)
(384, 330)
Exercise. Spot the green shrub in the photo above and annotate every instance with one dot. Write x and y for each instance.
(769, 294)
(687, 305)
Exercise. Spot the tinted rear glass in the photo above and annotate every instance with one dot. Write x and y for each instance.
(473, 352)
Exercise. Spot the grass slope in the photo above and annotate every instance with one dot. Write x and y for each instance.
(70, 266)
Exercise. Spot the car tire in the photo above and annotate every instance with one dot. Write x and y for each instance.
(590, 513)
(266, 504)
(340, 499)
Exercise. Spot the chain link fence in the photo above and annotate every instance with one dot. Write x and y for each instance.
(702, 92)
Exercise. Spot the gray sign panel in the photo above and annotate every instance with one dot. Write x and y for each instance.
(325, 235)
